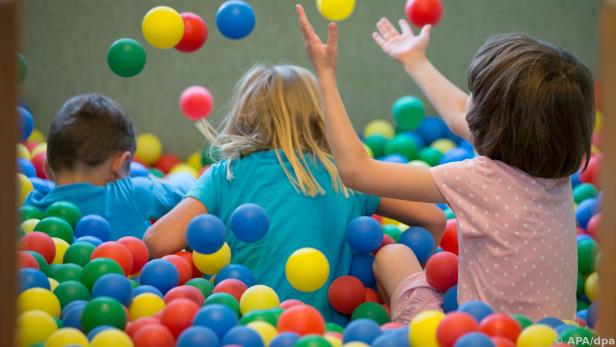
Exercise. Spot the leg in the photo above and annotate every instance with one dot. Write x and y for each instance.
(392, 265)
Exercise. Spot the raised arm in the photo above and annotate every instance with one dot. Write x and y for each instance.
(410, 51)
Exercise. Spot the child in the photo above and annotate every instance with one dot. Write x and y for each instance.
(89, 150)
(530, 117)
(275, 154)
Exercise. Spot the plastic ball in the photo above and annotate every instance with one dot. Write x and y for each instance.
(242, 336)
(236, 271)
(103, 311)
(178, 315)
(499, 324)
(40, 260)
(453, 326)
(146, 305)
(430, 156)
(307, 269)
(195, 33)
(146, 289)
(65, 210)
(38, 299)
(154, 335)
(25, 187)
(198, 336)
(61, 247)
(138, 170)
(449, 241)
(111, 337)
(584, 212)
(258, 297)
(456, 154)
(474, 340)
(420, 241)
(71, 316)
(56, 227)
(32, 278)
(95, 241)
(220, 319)
(335, 10)
(287, 339)
(149, 148)
(402, 145)
(584, 191)
(26, 121)
(379, 127)
(364, 234)
(210, 264)
(537, 335)
(371, 310)
(422, 12)
(408, 112)
(578, 336)
(594, 225)
(97, 268)
(224, 299)
(346, 293)
(249, 222)
(587, 249)
(166, 162)
(181, 265)
(196, 102)
(477, 309)
(67, 337)
(235, 19)
(160, 274)
(395, 338)
(114, 286)
(185, 169)
(28, 212)
(116, 251)
(432, 129)
(376, 144)
(78, 253)
(361, 267)
(126, 57)
(206, 234)
(71, 291)
(231, 286)
(34, 327)
(362, 330)
(138, 250)
(185, 292)
(162, 27)
(423, 328)
(302, 320)
(25, 167)
(592, 315)
(27, 261)
(93, 225)
(503, 342)
(266, 331)
(522, 319)
(591, 286)
(442, 270)
(67, 272)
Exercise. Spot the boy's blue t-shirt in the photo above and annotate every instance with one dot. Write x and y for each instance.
(296, 220)
(128, 204)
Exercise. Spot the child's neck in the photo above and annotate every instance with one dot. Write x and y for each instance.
(94, 177)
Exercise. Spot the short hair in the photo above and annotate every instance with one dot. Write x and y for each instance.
(533, 106)
(88, 130)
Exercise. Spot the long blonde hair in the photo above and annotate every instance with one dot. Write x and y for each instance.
(278, 108)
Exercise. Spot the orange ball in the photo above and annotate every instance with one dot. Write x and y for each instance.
(302, 320)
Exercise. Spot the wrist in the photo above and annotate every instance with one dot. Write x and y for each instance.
(326, 76)
(416, 64)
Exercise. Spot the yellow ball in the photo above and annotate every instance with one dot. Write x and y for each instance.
(419, 163)
(28, 225)
(570, 322)
(333, 340)
(379, 127)
(443, 145)
(336, 10)
(258, 297)
(162, 27)
(67, 337)
(307, 269)
(265, 330)
(38, 299)
(423, 328)
(146, 305)
(210, 264)
(537, 335)
(369, 151)
(356, 344)
(25, 187)
(185, 168)
(37, 136)
(194, 160)
(598, 121)
(389, 221)
(595, 150)
(52, 283)
(34, 327)
(591, 286)
(149, 148)
(40, 148)
(61, 247)
(112, 337)
(23, 152)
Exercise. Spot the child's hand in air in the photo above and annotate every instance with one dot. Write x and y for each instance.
(405, 47)
(324, 57)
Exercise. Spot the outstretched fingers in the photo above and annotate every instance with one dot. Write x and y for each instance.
(386, 29)
(332, 36)
(305, 26)
(405, 27)
(378, 39)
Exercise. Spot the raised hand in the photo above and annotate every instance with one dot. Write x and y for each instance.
(404, 46)
(324, 57)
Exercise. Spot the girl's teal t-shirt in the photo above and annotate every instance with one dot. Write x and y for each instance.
(296, 220)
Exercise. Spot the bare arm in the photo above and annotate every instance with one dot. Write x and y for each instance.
(428, 216)
(168, 234)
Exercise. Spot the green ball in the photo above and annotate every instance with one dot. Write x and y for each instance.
(587, 254)
(430, 155)
(70, 291)
(23, 66)
(103, 311)
(97, 268)
(20, 232)
(333, 328)
(402, 145)
(577, 336)
(68, 272)
(581, 305)
(449, 214)
(79, 253)
(209, 155)
(29, 212)
(522, 319)
(126, 57)
(43, 266)
(156, 172)
(56, 227)
(580, 284)
(408, 112)
(206, 287)
(393, 231)
(312, 341)
(133, 283)
(277, 312)
(224, 299)
(53, 270)
(376, 143)
(584, 191)
(259, 315)
(371, 310)
(65, 210)
(58, 322)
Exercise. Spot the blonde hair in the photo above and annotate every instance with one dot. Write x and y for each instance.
(278, 108)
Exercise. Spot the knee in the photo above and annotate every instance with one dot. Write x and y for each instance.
(390, 255)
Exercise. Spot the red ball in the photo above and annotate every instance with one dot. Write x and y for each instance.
(133, 327)
(27, 260)
(39, 242)
(154, 335)
(196, 102)
(594, 226)
(454, 326)
(387, 240)
(442, 270)
(231, 286)
(449, 241)
(31, 145)
(139, 251)
(302, 320)
(503, 342)
(39, 162)
(184, 270)
(500, 324)
(346, 293)
(422, 12)
(178, 315)
(116, 251)
(290, 303)
(167, 162)
(591, 174)
(579, 231)
(195, 33)
(185, 292)
(189, 259)
(377, 218)
(372, 296)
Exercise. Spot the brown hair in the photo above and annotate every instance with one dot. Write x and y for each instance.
(533, 106)
(88, 130)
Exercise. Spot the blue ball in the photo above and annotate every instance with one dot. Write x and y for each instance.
(72, 317)
(467, 146)
(477, 309)
(146, 289)
(583, 315)
(592, 315)
(242, 336)
(27, 123)
(93, 225)
(364, 234)
(419, 141)
(26, 167)
(394, 158)
(450, 299)
(198, 336)
(563, 327)
(160, 274)
(453, 137)
(138, 170)
(361, 267)
(90, 239)
(220, 319)
(235, 19)
(114, 286)
(393, 338)
(551, 321)
(584, 212)
(474, 340)
(236, 271)
(42, 185)
(432, 129)
(420, 241)
(32, 278)
(363, 330)
(575, 179)
(456, 154)
(206, 234)
(599, 203)
(249, 222)
(99, 329)
(285, 340)
(71, 305)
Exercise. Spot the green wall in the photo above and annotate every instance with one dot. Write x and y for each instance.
(65, 43)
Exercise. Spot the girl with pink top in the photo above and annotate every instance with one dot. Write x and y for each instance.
(530, 115)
